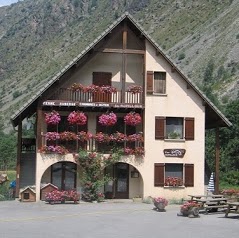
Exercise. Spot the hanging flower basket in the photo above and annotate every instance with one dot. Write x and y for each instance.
(52, 118)
(132, 119)
(135, 89)
(78, 118)
(108, 119)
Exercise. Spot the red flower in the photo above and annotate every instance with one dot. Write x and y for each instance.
(52, 118)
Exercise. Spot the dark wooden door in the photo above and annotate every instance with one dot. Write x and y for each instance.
(121, 180)
(102, 79)
(63, 175)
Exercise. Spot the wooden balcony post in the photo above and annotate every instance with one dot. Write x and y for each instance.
(217, 159)
(19, 151)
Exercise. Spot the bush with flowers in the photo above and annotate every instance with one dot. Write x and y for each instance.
(108, 119)
(52, 118)
(118, 137)
(135, 89)
(135, 137)
(78, 118)
(93, 176)
(101, 137)
(53, 149)
(132, 119)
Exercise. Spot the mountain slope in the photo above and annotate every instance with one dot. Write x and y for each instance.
(38, 38)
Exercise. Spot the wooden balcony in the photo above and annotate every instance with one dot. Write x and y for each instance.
(28, 144)
(119, 99)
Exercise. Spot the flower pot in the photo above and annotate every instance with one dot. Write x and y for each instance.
(191, 213)
(160, 206)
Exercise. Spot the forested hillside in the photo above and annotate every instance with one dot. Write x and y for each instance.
(39, 37)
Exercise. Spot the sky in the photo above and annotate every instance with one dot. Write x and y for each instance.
(7, 2)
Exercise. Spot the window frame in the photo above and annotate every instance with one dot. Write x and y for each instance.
(160, 174)
(188, 130)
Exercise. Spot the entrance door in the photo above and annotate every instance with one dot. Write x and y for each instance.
(63, 175)
(119, 186)
(100, 79)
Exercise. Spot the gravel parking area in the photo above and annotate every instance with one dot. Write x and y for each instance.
(109, 220)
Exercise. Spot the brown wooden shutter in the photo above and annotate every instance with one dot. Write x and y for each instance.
(189, 128)
(150, 78)
(158, 175)
(159, 127)
(189, 175)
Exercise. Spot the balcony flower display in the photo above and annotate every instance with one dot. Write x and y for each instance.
(101, 137)
(173, 181)
(84, 136)
(54, 149)
(77, 87)
(52, 118)
(52, 136)
(77, 117)
(135, 89)
(108, 119)
(128, 151)
(118, 137)
(135, 137)
(139, 151)
(108, 89)
(132, 119)
(68, 135)
(92, 89)
(160, 203)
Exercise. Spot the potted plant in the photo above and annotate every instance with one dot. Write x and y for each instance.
(160, 203)
(190, 209)
(174, 135)
(137, 199)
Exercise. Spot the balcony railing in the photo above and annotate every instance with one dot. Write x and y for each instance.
(28, 144)
(65, 94)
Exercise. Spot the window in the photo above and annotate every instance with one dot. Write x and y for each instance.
(174, 128)
(160, 82)
(170, 174)
(156, 82)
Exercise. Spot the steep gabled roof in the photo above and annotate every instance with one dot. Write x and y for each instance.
(213, 114)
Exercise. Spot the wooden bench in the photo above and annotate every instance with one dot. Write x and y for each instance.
(232, 207)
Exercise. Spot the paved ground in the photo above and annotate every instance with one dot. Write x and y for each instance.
(109, 220)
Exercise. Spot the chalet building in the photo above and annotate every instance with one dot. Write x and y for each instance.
(122, 73)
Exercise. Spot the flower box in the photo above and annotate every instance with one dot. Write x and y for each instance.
(57, 196)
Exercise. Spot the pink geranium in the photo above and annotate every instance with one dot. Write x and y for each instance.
(108, 119)
(132, 119)
(78, 118)
(52, 118)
